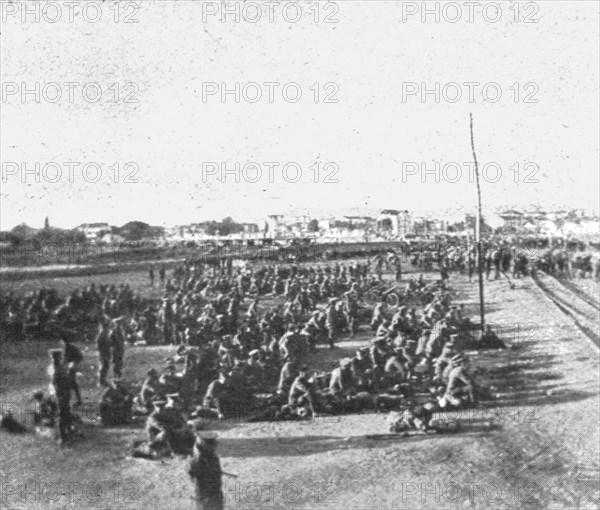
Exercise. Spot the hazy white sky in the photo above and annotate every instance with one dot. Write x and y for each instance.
(370, 133)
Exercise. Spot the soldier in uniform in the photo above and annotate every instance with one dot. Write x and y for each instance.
(301, 391)
(116, 404)
(46, 410)
(342, 378)
(72, 357)
(103, 344)
(332, 322)
(205, 471)
(351, 309)
(157, 432)
(460, 383)
(287, 375)
(61, 382)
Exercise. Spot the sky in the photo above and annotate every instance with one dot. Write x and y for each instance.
(370, 147)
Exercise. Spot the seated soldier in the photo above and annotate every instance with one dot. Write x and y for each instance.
(460, 386)
(342, 381)
(410, 356)
(414, 417)
(46, 411)
(150, 391)
(10, 424)
(157, 432)
(378, 315)
(170, 381)
(383, 331)
(240, 392)
(179, 434)
(217, 393)
(255, 372)
(362, 371)
(288, 374)
(116, 405)
(423, 342)
(445, 359)
(378, 353)
(394, 370)
(301, 397)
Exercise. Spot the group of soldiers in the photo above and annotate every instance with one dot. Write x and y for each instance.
(42, 314)
(243, 361)
(506, 258)
(238, 358)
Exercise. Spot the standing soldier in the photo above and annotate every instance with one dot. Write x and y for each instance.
(351, 306)
(111, 344)
(151, 275)
(103, 344)
(165, 319)
(72, 358)
(61, 381)
(205, 470)
(331, 322)
(117, 338)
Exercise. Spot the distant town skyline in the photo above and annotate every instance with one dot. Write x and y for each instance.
(451, 216)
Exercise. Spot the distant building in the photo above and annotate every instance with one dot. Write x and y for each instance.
(110, 238)
(398, 223)
(274, 225)
(91, 230)
(512, 218)
(250, 228)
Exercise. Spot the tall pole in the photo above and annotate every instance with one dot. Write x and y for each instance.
(478, 233)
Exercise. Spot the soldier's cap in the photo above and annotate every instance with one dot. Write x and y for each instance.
(37, 395)
(254, 352)
(453, 337)
(206, 439)
(152, 371)
(56, 353)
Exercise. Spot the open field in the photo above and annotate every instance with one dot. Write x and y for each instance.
(137, 279)
(531, 447)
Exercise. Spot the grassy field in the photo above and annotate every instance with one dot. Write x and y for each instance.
(138, 281)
